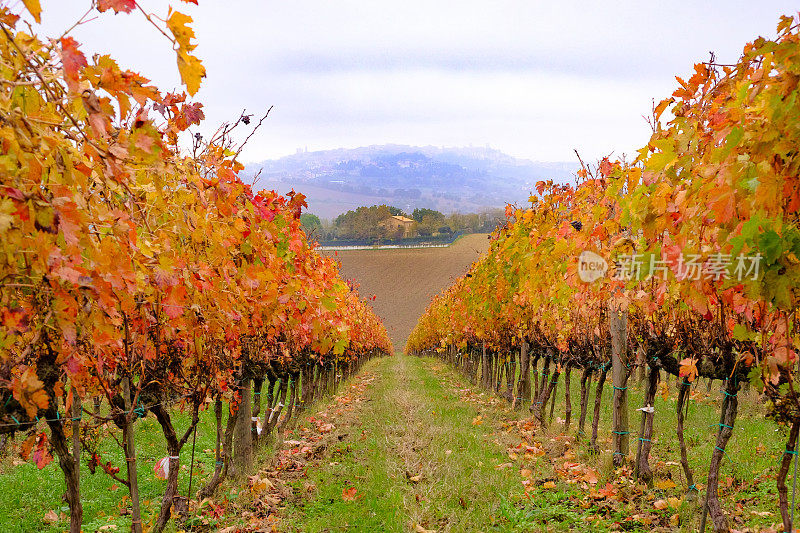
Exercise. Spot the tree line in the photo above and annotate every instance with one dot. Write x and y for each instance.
(370, 223)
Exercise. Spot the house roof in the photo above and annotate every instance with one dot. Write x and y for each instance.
(402, 218)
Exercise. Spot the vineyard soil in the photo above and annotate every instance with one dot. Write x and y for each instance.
(404, 281)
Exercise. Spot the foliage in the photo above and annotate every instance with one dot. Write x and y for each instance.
(717, 182)
(128, 261)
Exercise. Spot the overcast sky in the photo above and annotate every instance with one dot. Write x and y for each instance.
(534, 79)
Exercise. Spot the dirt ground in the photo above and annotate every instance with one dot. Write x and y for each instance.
(404, 281)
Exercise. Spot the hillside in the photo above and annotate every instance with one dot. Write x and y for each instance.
(446, 179)
(404, 281)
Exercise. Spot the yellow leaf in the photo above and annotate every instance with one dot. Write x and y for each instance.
(674, 502)
(665, 484)
(192, 71)
(35, 9)
(548, 485)
(478, 420)
(178, 24)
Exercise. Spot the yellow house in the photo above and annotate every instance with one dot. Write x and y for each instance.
(396, 222)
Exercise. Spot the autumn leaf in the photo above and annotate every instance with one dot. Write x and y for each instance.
(665, 484)
(72, 60)
(34, 8)
(41, 454)
(28, 390)
(191, 70)
(37, 449)
(688, 369)
(14, 319)
(123, 6)
(591, 476)
(349, 495)
(478, 420)
(178, 24)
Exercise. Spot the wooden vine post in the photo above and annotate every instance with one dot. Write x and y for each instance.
(642, 469)
(619, 421)
(75, 518)
(524, 386)
(130, 457)
(243, 437)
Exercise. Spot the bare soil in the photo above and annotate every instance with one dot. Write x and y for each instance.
(403, 281)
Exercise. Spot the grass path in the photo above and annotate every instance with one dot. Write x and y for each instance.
(414, 457)
(411, 446)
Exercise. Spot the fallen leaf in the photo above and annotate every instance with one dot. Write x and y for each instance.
(349, 495)
(660, 504)
(665, 484)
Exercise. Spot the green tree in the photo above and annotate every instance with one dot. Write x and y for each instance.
(311, 225)
(363, 223)
(421, 212)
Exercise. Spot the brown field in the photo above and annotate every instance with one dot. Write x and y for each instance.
(404, 281)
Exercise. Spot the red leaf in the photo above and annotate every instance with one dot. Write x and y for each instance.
(125, 6)
(174, 303)
(36, 448)
(41, 455)
(72, 60)
(15, 319)
(349, 495)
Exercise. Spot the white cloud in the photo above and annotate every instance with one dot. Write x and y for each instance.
(533, 78)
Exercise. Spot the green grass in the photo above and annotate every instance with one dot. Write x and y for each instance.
(752, 454)
(415, 415)
(415, 425)
(29, 493)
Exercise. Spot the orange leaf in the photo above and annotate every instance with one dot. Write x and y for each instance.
(349, 495)
(688, 369)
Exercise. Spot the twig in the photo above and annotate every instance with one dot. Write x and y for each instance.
(241, 146)
(255, 178)
(587, 170)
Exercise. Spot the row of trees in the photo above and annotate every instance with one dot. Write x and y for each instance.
(369, 223)
(138, 278)
(700, 236)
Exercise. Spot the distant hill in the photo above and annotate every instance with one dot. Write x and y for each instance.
(446, 179)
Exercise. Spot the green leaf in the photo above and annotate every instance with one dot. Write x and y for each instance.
(740, 332)
(769, 244)
(328, 303)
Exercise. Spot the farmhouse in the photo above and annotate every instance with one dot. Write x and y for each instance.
(396, 223)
